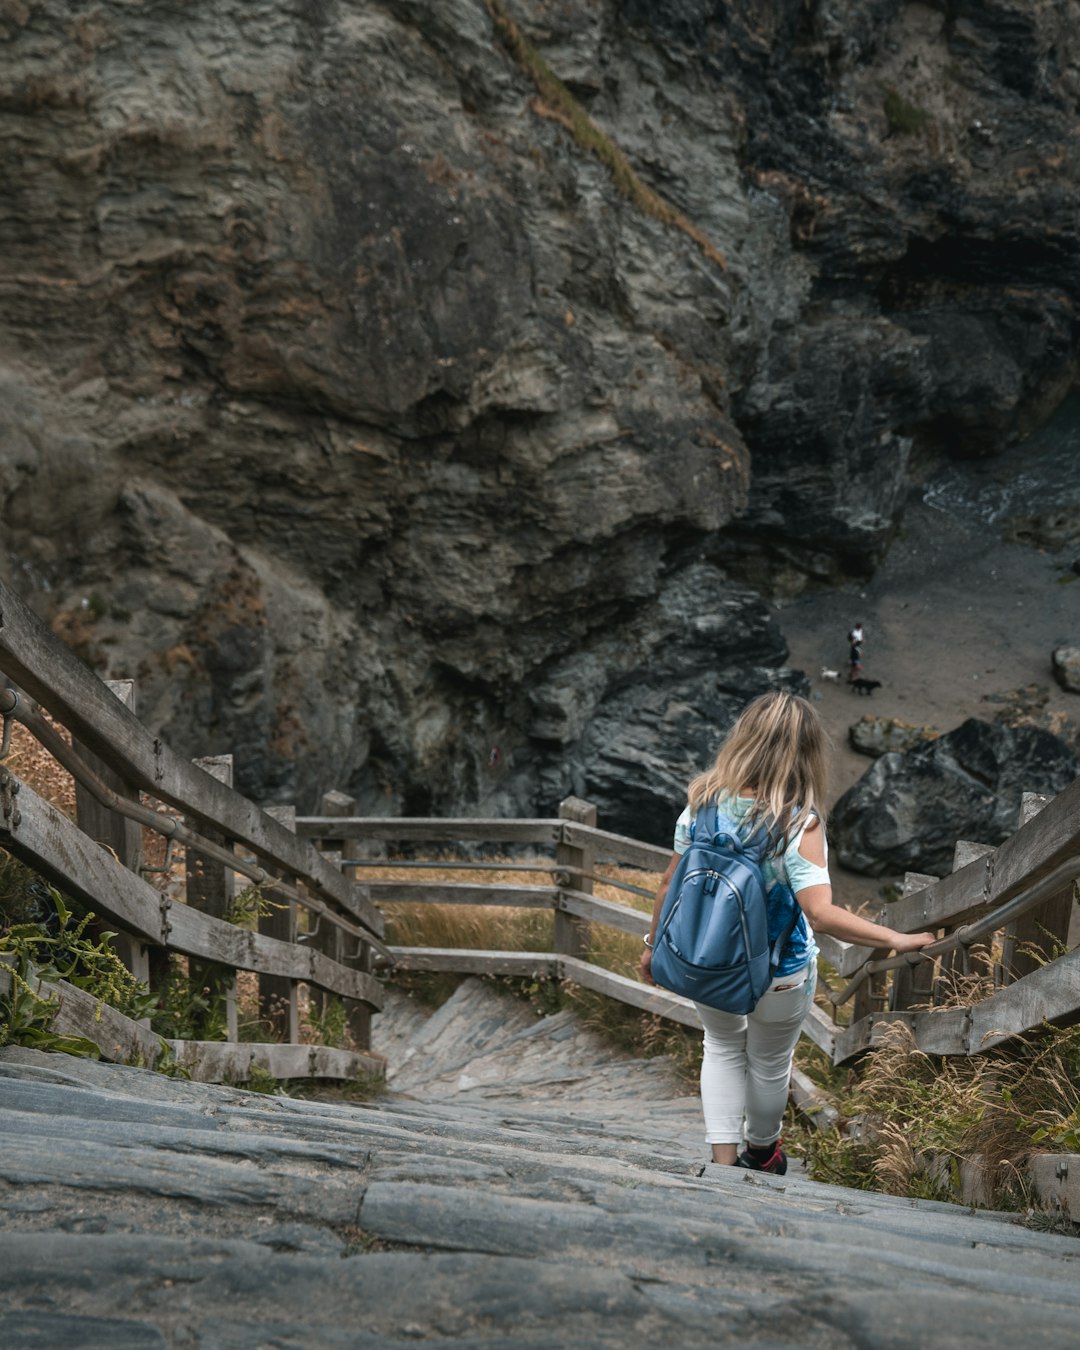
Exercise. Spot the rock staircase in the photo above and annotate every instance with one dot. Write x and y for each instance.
(520, 1184)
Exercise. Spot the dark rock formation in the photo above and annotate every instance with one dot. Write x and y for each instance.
(348, 403)
(877, 736)
(908, 810)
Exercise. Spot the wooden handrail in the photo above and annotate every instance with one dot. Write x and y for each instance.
(41, 665)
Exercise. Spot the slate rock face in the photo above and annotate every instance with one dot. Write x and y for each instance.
(1066, 663)
(908, 810)
(350, 406)
(877, 736)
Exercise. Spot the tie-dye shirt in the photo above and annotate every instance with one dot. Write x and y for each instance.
(785, 875)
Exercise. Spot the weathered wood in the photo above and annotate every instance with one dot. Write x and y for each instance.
(51, 843)
(422, 892)
(279, 999)
(944, 1032)
(39, 663)
(607, 912)
(118, 834)
(326, 938)
(808, 1098)
(1037, 936)
(225, 1062)
(1055, 1178)
(120, 1039)
(954, 964)
(431, 829)
(820, 1029)
(1036, 849)
(357, 954)
(648, 997)
(571, 931)
(844, 957)
(616, 848)
(211, 888)
(528, 965)
(913, 985)
(1049, 994)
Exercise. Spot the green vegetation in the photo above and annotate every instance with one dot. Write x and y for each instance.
(913, 1119)
(557, 103)
(903, 118)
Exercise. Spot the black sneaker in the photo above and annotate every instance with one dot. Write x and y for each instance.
(776, 1162)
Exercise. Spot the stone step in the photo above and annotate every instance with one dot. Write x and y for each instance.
(473, 1021)
(139, 1211)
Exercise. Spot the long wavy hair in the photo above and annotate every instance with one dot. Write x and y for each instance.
(775, 753)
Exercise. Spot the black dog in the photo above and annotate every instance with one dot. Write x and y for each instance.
(862, 686)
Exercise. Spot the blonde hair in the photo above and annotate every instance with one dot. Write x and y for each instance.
(776, 752)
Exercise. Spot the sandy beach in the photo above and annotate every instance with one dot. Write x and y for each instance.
(953, 615)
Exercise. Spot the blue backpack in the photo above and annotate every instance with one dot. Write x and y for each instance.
(712, 941)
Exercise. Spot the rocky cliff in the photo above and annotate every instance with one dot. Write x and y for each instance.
(410, 394)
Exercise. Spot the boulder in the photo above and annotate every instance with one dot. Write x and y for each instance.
(908, 810)
(876, 736)
(1066, 663)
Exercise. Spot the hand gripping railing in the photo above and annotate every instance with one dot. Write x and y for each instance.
(969, 933)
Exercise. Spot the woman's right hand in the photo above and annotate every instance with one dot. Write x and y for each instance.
(646, 966)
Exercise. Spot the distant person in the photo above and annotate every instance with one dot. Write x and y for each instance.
(855, 642)
(770, 772)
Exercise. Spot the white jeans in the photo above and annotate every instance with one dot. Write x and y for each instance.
(746, 1067)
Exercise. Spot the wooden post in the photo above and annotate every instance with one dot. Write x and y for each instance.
(278, 1001)
(1032, 939)
(572, 933)
(913, 985)
(121, 836)
(956, 962)
(348, 950)
(211, 888)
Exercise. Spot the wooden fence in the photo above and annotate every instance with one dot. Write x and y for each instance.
(318, 931)
(327, 931)
(1016, 899)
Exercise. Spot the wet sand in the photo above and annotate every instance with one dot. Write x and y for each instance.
(953, 614)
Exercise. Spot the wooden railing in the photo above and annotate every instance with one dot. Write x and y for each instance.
(327, 930)
(318, 930)
(1017, 898)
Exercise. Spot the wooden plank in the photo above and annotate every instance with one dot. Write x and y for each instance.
(211, 888)
(1034, 850)
(357, 954)
(913, 985)
(1049, 994)
(648, 997)
(808, 1098)
(120, 1040)
(422, 892)
(39, 663)
(431, 829)
(571, 931)
(607, 912)
(943, 1032)
(49, 842)
(1056, 1180)
(122, 836)
(1035, 937)
(229, 1062)
(528, 965)
(617, 847)
(821, 1029)
(843, 957)
(279, 998)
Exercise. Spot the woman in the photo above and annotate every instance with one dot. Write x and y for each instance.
(770, 770)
